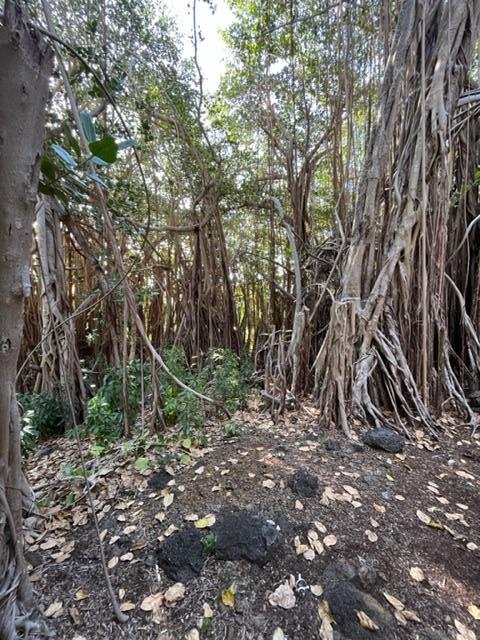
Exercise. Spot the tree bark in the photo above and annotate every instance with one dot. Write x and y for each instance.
(25, 67)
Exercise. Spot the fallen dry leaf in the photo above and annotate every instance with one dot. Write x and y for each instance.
(175, 593)
(396, 604)
(278, 634)
(82, 594)
(326, 618)
(228, 595)
(268, 484)
(464, 633)
(207, 521)
(316, 590)
(152, 601)
(113, 562)
(127, 606)
(366, 622)
(330, 541)
(417, 574)
(371, 535)
(54, 610)
(474, 611)
(283, 597)
(167, 500)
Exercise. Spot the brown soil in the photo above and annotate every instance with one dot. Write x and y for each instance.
(391, 490)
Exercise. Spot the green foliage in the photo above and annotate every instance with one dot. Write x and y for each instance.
(105, 411)
(209, 543)
(223, 377)
(43, 414)
(231, 428)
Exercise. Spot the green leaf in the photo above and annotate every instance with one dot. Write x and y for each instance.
(69, 499)
(141, 464)
(106, 149)
(187, 443)
(48, 168)
(185, 458)
(97, 450)
(88, 126)
(64, 156)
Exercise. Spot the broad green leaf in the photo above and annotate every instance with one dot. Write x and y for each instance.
(48, 168)
(141, 464)
(106, 149)
(187, 443)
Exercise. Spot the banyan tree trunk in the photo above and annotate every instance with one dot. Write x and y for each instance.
(25, 66)
(386, 344)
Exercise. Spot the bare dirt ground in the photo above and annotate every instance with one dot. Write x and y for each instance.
(404, 525)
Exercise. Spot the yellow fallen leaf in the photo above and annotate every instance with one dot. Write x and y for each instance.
(228, 595)
(81, 594)
(474, 611)
(396, 604)
(207, 521)
(417, 574)
(366, 622)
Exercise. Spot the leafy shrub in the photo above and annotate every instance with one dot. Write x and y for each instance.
(42, 415)
(105, 411)
(223, 377)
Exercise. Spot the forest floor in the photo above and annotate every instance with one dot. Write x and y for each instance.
(395, 537)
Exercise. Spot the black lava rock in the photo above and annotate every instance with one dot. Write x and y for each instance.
(181, 555)
(330, 445)
(241, 535)
(345, 599)
(303, 483)
(159, 480)
(384, 439)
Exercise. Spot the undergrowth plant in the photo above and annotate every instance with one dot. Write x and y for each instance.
(43, 415)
